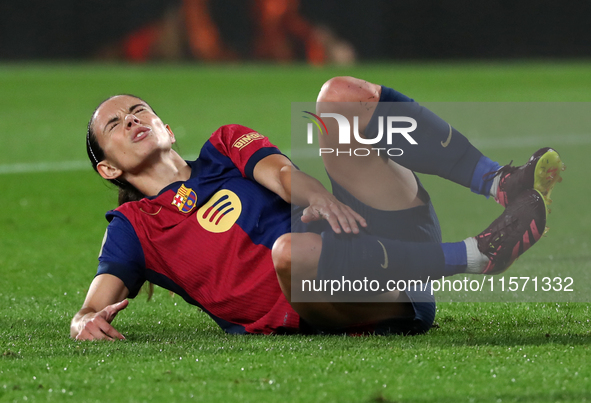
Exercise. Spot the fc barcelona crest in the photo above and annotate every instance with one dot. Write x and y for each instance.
(185, 199)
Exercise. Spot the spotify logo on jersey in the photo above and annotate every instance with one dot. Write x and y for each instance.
(220, 212)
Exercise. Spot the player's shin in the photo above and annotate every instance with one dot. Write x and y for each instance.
(439, 150)
(359, 257)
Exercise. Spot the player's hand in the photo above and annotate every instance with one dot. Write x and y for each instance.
(337, 214)
(97, 325)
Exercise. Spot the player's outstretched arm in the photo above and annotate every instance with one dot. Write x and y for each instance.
(277, 173)
(105, 298)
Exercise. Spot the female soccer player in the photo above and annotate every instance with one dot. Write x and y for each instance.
(230, 231)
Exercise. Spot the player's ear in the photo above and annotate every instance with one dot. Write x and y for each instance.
(171, 134)
(108, 171)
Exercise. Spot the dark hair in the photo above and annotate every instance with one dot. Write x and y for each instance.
(127, 192)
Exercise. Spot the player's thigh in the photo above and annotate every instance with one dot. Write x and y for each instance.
(359, 168)
(338, 315)
(296, 256)
(348, 97)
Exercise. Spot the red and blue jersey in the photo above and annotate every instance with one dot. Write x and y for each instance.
(209, 238)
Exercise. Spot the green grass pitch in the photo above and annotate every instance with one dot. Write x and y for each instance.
(51, 226)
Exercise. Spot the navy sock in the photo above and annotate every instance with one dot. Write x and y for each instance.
(456, 258)
(481, 182)
(440, 150)
(356, 257)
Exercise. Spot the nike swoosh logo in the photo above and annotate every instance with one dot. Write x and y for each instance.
(385, 265)
(448, 138)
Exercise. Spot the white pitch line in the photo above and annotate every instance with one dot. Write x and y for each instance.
(480, 143)
(59, 166)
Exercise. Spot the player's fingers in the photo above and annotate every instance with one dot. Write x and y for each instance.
(351, 220)
(341, 216)
(310, 214)
(92, 331)
(111, 311)
(332, 219)
(121, 305)
(358, 218)
(84, 335)
(110, 331)
(348, 218)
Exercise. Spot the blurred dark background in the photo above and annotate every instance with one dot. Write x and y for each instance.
(318, 31)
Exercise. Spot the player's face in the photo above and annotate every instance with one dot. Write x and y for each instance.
(130, 133)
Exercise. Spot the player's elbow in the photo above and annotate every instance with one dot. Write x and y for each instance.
(284, 188)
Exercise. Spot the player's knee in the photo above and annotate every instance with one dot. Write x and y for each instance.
(281, 255)
(305, 248)
(332, 90)
(348, 89)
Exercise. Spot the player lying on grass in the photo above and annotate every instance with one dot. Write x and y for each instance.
(226, 233)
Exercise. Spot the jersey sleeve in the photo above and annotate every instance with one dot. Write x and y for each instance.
(122, 255)
(244, 146)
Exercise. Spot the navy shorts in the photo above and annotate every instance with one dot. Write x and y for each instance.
(417, 224)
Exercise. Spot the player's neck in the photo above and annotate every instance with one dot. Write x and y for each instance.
(156, 176)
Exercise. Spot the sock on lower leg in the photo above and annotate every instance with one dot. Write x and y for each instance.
(440, 149)
(455, 257)
(483, 182)
(356, 257)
